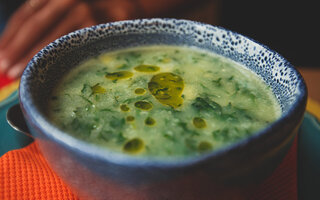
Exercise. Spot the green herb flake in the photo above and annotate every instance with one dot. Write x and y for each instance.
(86, 99)
(206, 105)
(191, 144)
(186, 130)
(230, 78)
(120, 138)
(124, 66)
(228, 134)
(217, 82)
(116, 122)
(86, 90)
(169, 137)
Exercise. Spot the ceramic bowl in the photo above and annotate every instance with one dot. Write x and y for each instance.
(96, 173)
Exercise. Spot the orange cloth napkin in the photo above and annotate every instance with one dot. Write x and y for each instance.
(25, 175)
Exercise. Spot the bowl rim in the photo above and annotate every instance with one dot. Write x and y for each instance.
(35, 118)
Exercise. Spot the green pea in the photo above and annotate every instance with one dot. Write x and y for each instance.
(133, 146)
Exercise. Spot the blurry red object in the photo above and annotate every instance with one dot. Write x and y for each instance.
(4, 80)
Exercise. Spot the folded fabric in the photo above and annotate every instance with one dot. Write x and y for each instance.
(24, 174)
(8, 89)
(4, 80)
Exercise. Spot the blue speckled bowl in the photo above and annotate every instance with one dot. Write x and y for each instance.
(93, 172)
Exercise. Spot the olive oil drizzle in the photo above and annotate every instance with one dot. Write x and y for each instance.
(150, 121)
(167, 89)
(119, 75)
(97, 89)
(204, 146)
(199, 122)
(124, 108)
(130, 118)
(139, 91)
(143, 105)
(147, 68)
(133, 146)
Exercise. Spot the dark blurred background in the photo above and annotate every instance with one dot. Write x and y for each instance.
(289, 27)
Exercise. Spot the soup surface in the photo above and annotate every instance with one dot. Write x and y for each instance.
(162, 101)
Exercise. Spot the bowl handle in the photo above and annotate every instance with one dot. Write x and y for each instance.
(16, 120)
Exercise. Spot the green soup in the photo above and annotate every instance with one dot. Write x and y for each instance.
(162, 101)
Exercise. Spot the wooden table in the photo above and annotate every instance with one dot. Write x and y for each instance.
(312, 78)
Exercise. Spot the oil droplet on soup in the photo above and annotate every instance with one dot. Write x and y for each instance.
(124, 108)
(140, 91)
(143, 105)
(150, 121)
(130, 118)
(147, 68)
(204, 146)
(199, 122)
(97, 89)
(119, 75)
(162, 102)
(167, 89)
(133, 146)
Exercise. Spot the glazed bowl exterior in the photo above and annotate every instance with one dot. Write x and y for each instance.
(97, 173)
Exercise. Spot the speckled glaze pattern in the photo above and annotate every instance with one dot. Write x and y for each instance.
(114, 175)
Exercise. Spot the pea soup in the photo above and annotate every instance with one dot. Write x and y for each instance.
(162, 101)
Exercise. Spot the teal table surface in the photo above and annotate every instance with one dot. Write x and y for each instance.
(309, 158)
(9, 138)
(308, 148)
